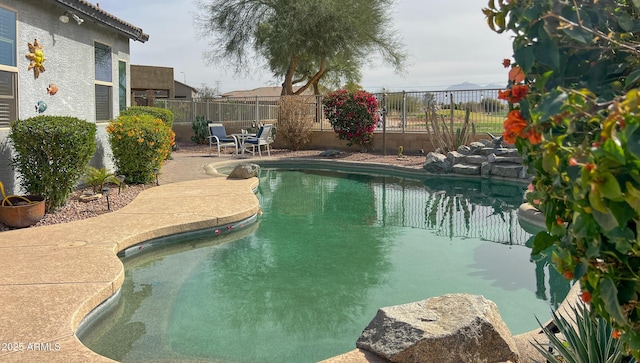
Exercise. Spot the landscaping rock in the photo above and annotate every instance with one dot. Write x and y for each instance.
(492, 158)
(514, 171)
(330, 153)
(476, 146)
(455, 157)
(437, 163)
(454, 328)
(244, 171)
(475, 159)
(466, 169)
(464, 150)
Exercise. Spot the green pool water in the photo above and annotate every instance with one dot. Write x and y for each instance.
(301, 283)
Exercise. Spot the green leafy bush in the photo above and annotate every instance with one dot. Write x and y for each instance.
(295, 120)
(51, 155)
(139, 145)
(200, 130)
(353, 116)
(574, 115)
(163, 114)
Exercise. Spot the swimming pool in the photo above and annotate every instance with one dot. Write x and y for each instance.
(329, 250)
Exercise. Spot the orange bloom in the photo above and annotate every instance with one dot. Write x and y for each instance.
(518, 92)
(568, 275)
(514, 126)
(586, 296)
(506, 62)
(504, 95)
(534, 136)
(516, 74)
(616, 334)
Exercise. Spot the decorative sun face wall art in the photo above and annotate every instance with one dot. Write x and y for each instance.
(36, 56)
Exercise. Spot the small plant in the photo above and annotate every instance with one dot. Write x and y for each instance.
(200, 130)
(400, 150)
(586, 339)
(353, 116)
(140, 144)
(450, 138)
(98, 178)
(295, 120)
(51, 155)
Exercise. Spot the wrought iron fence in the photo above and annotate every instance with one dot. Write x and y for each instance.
(401, 111)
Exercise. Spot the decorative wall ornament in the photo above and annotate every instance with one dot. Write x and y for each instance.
(36, 56)
(41, 106)
(52, 89)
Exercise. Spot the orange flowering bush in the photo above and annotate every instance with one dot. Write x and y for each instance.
(573, 90)
(140, 144)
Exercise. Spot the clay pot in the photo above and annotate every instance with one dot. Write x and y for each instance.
(22, 214)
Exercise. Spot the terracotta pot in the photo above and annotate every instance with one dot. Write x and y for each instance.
(21, 214)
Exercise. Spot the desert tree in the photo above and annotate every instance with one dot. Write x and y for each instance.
(300, 41)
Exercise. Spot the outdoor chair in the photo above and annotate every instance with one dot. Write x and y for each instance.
(218, 136)
(263, 137)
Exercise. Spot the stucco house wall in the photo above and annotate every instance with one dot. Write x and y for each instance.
(69, 49)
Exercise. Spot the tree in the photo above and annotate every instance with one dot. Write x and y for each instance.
(302, 41)
(207, 93)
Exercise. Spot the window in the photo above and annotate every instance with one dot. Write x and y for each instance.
(7, 38)
(122, 85)
(8, 72)
(8, 98)
(103, 87)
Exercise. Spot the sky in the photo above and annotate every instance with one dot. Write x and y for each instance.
(447, 42)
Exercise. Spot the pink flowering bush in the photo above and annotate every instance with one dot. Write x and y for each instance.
(353, 116)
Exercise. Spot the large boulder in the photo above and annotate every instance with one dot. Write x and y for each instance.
(454, 328)
(244, 171)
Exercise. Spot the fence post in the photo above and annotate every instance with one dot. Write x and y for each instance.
(451, 109)
(404, 111)
(319, 115)
(257, 112)
(384, 124)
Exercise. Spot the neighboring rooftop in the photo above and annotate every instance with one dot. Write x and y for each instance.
(262, 92)
(104, 18)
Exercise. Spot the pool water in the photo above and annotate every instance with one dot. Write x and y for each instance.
(302, 283)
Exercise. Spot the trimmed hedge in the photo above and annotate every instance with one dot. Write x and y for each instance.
(52, 153)
(140, 144)
(165, 115)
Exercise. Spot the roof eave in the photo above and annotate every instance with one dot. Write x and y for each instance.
(89, 10)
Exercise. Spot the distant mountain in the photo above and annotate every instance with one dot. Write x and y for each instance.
(464, 86)
(476, 92)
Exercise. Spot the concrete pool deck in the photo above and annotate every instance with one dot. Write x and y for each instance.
(53, 276)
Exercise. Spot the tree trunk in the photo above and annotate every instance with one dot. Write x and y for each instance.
(287, 85)
(316, 78)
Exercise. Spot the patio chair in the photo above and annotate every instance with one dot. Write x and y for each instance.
(218, 136)
(263, 137)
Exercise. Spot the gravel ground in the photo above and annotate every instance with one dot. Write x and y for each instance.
(77, 210)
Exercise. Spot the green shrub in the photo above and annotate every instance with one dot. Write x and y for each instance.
(295, 120)
(165, 115)
(139, 145)
(200, 130)
(51, 155)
